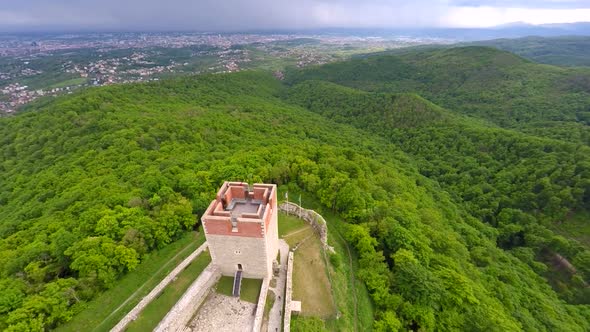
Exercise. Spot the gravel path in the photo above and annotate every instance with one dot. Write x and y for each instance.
(275, 317)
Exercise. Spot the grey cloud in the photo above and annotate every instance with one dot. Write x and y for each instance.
(150, 14)
(546, 4)
(239, 14)
(222, 14)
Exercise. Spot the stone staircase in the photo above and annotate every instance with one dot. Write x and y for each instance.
(237, 283)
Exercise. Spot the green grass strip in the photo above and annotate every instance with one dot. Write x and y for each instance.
(105, 311)
(159, 307)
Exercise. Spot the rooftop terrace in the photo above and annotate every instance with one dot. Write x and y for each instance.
(239, 206)
(239, 203)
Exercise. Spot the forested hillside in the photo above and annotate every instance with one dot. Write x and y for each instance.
(447, 214)
(559, 51)
(482, 82)
(563, 51)
(520, 184)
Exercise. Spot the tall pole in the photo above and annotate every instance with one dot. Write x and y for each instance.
(287, 198)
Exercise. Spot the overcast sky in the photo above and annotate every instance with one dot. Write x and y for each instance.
(231, 15)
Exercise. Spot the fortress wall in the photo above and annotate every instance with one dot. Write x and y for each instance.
(260, 193)
(134, 313)
(261, 304)
(222, 226)
(288, 294)
(228, 251)
(272, 238)
(313, 218)
(182, 312)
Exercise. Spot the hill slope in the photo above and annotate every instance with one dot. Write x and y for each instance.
(477, 81)
(559, 51)
(94, 180)
(564, 51)
(520, 184)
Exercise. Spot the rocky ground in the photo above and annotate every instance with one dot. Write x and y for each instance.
(220, 313)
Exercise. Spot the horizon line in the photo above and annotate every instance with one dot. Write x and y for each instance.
(58, 31)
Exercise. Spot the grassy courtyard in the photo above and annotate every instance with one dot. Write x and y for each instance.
(249, 292)
(310, 279)
(351, 296)
(289, 224)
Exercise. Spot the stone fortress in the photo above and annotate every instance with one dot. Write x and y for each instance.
(241, 227)
(241, 231)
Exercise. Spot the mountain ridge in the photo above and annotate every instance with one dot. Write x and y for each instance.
(482, 82)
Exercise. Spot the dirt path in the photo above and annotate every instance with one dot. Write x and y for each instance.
(295, 232)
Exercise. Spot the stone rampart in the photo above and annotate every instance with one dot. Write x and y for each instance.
(260, 306)
(288, 294)
(134, 313)
(313, 218)
(182, 312)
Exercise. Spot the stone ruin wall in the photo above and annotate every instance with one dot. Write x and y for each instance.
(182, 312)
(260, 305)
(288, 294)
(313, 218)
(156, 291)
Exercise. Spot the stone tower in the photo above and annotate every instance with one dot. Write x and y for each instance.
(242, 230)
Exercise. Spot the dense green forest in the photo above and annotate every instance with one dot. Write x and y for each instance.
(450, 215)
(564, 51)
(520, 184)
(559, 51)
(482, 82)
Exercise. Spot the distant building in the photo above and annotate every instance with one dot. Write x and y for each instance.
(241, 228)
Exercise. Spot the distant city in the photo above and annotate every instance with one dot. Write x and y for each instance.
(38, 66)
